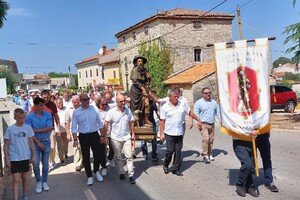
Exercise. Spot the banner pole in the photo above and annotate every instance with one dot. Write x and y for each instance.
(255, 157)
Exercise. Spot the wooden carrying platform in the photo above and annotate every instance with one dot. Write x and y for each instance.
(144, 133)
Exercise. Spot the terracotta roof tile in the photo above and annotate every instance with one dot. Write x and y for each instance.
(192, 74)
(279, 74)
(179, 13)
(96, 56)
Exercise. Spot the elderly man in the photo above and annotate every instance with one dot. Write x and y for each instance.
(86, 121)
(121, 120)
(206, 109)
(172, 116)
(78, 162)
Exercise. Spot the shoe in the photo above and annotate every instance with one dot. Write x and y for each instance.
(78, 168)
(166, 169)
(145, 156)
(25, 197)
(211, 158)
(131, 180)
(99, 177)
(62, 163)
(155, 159)
(122, 177)
(240, 191)
(52, 165)
(66, 156)
(45, 186)
(104, 172)
(133, 155)
(178, 173)
(38, 188)
(90, 181)
(206, 160)
(272, 188)
(253, 192)
(111, 163)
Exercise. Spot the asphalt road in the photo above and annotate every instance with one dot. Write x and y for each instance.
(199, 180)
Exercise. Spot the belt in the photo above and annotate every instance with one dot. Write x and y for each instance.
(44, 139)
(211, 124)
(89, 132)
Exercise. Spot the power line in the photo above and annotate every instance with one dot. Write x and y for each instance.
(241, 6)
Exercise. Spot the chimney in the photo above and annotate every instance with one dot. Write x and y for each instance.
(104, 49)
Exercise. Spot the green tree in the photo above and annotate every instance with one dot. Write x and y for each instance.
(160, 64)
(60, 75)
(291, 76)
(281, 61)
(11, 80)
(4, 7)
(293, 32)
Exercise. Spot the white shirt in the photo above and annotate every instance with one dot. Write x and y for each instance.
(103, 115)
(119, 121)
(62, 120)
(86, 120)
(174, 117)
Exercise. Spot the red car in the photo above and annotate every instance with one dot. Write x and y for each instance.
(283, 97)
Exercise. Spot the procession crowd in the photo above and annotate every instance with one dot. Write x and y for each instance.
(104, 123)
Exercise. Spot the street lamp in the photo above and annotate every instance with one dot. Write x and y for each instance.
(126, 73)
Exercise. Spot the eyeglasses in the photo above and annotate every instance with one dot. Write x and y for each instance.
(85, 99)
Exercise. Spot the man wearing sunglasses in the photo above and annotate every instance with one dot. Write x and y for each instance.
(87, 122)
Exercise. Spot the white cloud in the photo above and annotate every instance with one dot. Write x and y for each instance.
(19, 12)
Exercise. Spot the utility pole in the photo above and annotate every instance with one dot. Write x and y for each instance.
(240, 23)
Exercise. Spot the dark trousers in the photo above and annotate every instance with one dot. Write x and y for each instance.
(154, 148)
(111, 154)
(87, 141)
(174, 145)
(243, 151)
(264, 147)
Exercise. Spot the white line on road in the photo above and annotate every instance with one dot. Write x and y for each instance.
(89, 194)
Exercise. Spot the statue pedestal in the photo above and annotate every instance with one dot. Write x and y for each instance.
(144, 133)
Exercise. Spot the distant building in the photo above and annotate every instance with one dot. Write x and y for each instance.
(9, 65)
(102, 68)
(186, 32)
(62, 82)
(35, 81)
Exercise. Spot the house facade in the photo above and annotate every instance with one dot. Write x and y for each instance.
(9, 65)
(99, 69)
(186, 32)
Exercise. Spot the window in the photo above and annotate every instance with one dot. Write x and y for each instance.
(124, 39)
(146, 30)
(102, 73)
(115, 75)
(197, 25)
(91, 73)
(86, 74)
(197, 55)
(133, 35)
(97, 72)
(79, 74)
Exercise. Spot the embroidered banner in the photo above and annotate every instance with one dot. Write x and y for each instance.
(243, 87)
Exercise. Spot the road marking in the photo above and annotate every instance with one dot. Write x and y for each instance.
(89, 194)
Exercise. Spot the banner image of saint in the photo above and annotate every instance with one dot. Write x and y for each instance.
(243, 87)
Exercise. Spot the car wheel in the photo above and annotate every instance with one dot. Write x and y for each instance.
(289, 106)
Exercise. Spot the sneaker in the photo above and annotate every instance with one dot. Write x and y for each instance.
(52, 165)
(131, 180)
(25, 197)
(145, 156)
(272, 187)
(99, 177)
(104, 172)
(122, 177)
(252, 191)
(211, 158)
(240, 191)
(90, 181)
(206, 160)
(45, 186)
(111, 163)
(38, 188)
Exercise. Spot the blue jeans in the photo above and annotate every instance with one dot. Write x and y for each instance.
(264, 147)
(243, 151)
(45, 161)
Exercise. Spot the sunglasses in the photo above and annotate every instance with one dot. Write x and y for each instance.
(85, 99)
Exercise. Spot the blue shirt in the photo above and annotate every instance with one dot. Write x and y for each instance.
(25, 104)
(86, 120)
(207, 110)
(40, 122)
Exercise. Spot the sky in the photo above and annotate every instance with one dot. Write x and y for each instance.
(43, 36)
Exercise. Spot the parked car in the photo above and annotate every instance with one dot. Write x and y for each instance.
(283, 97)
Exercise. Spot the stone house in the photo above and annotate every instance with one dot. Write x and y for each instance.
(186, 32)
(102, 68)
(9, 64)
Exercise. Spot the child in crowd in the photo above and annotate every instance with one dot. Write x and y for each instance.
(19, 151)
